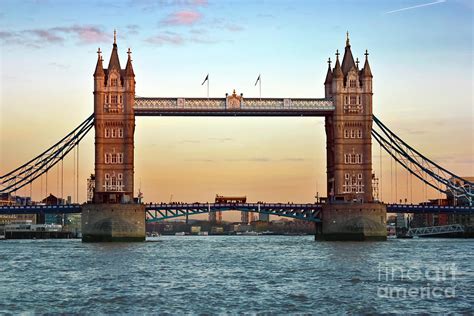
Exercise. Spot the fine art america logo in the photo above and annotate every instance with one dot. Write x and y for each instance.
(430, 281)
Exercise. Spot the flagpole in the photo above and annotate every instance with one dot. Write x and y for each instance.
(208, 87)
(260, 86)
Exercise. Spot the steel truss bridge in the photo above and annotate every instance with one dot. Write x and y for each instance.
(413, 161)
(163, 211)
(435, 230)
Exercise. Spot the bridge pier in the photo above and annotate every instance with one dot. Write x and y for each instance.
(352, 222)
(113, 222)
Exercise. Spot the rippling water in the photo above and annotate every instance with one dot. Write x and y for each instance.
(231, 274)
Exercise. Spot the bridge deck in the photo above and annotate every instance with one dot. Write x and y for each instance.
(222, 107)
(251, 207)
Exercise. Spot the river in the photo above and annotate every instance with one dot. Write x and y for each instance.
(237, 274)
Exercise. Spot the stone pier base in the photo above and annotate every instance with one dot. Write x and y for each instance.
(113, 222)
(352, 221)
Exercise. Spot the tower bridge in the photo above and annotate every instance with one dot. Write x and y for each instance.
(351, 212)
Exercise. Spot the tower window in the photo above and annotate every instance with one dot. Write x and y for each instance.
(353, 99)
(120, 158)
(107, 158)
(352, 133)
(359, 176)
(359, 133)
(114, 133)
(346, 176)
(347, 158)
(114, 82)
(120, 132)
(352, 83)
(107, 133)
(113, 99)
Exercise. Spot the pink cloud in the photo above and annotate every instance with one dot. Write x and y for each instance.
(91, 35)
(182, 18)
(85, 34)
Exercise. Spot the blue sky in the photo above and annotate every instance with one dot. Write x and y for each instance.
(420, 55)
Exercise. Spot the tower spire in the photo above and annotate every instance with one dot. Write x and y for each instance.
(348, 59)
(366, 72)
(128, 67)
(99, 70)
(329, 73)
(114, 59)
(337, 69)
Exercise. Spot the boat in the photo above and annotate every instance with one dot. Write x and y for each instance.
(180, 234)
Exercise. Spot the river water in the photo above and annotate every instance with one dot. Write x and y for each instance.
(237, 274)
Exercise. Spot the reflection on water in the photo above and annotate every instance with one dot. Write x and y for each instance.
(233, 274)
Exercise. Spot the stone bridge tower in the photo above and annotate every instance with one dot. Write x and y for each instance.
(350, 213)
(113, 215)
(349, 142)
(114, 95)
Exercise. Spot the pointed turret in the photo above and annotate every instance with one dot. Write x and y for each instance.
(114, 59)
(366, 72)
(99, 70)
(329, 73)
(348, 60)
(128, 68)
(337, 72)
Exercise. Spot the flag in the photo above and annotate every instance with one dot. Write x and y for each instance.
(258, 79)
(206, 79)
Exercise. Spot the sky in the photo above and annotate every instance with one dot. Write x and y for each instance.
(421, 56)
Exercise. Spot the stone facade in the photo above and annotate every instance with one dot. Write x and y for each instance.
(353, 221)
(348, 130)
(114, 96)
(113, 222)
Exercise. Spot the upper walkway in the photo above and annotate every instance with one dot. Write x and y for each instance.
(232, 106)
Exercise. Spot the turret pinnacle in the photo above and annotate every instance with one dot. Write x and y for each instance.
(99, 70)
(128, 67)
(366, 71)
(329, 73)
(114, 59)
(337, 72)
(348, 60)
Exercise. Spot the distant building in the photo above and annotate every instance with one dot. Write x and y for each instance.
(263, 217)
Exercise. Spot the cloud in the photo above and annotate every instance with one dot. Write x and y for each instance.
(166, 38)
(415, 6)
(40, 37)
(172, 38)
(46, 36)
(182, 18)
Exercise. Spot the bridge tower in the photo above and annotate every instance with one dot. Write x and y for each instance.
(349, 153)
(113, 215)
(114, 96)
(349, 142)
